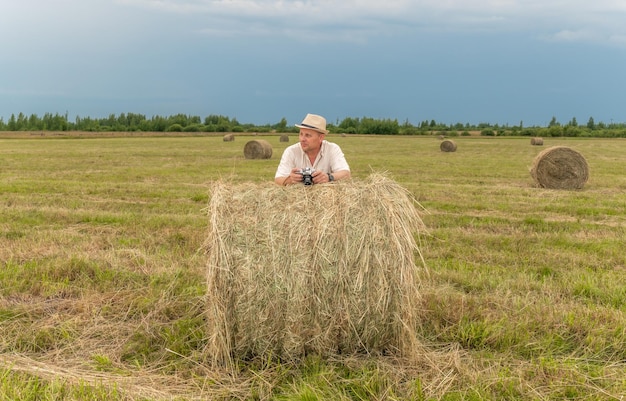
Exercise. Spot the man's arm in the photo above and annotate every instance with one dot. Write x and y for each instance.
(339, 164)
(294, 177)
(283, 180)
(341, 174)
(320, 177)
(285, 168)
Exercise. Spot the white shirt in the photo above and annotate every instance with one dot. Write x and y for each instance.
(329, 159)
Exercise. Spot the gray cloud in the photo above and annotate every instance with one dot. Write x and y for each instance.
(356, 20)
(350, 21)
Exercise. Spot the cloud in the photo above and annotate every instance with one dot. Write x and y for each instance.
(574, 36)
(346, 21)
(360, 20)
(618, 40)
(315, 9)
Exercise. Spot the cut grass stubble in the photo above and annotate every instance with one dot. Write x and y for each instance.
(104, 278)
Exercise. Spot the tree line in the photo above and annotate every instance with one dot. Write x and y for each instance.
(133, 122)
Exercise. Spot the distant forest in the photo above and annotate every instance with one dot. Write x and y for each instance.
(132, 122)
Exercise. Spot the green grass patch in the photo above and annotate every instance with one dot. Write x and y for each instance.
(102, 273)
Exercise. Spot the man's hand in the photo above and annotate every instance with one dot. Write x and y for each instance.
(319, 177)
(295, 175)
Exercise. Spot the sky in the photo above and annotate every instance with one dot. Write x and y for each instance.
(507, 62)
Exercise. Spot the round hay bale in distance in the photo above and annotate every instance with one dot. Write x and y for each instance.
(447, 146)
(560, 167)
(299, 279)
(258, 149)
(284, 138)
(536, 141)
(229, 137)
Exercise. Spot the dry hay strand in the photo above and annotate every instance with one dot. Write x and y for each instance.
(229, 137)
(284, 138)
(326, 269)
(139, 386)
(447, 146)
(536, 141)
(257, 149)
(560, 167)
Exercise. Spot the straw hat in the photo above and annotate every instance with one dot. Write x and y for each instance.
(314, 122)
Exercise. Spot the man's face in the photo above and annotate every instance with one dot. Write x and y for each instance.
(310, 140)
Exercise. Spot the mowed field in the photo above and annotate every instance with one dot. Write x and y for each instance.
(102, 272)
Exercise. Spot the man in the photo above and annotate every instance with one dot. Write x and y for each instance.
(325, 158)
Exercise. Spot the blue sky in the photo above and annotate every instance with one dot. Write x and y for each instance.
(468, 61)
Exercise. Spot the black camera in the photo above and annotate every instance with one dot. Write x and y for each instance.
(307, 175)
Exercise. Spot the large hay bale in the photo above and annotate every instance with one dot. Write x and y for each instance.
(447, 146)
(536, 141)
(229, 137)
(560, 167)
(325, 269)
(258, 149)
(284, 138)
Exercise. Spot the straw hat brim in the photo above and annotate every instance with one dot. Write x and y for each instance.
(321, 131)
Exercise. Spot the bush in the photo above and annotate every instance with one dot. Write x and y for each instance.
(193, 128)
(379, 127)
(529, 132)
(409, 131)
(175, 128)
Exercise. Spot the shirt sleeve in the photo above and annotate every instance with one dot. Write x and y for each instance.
(287, 162)
(338, 160)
